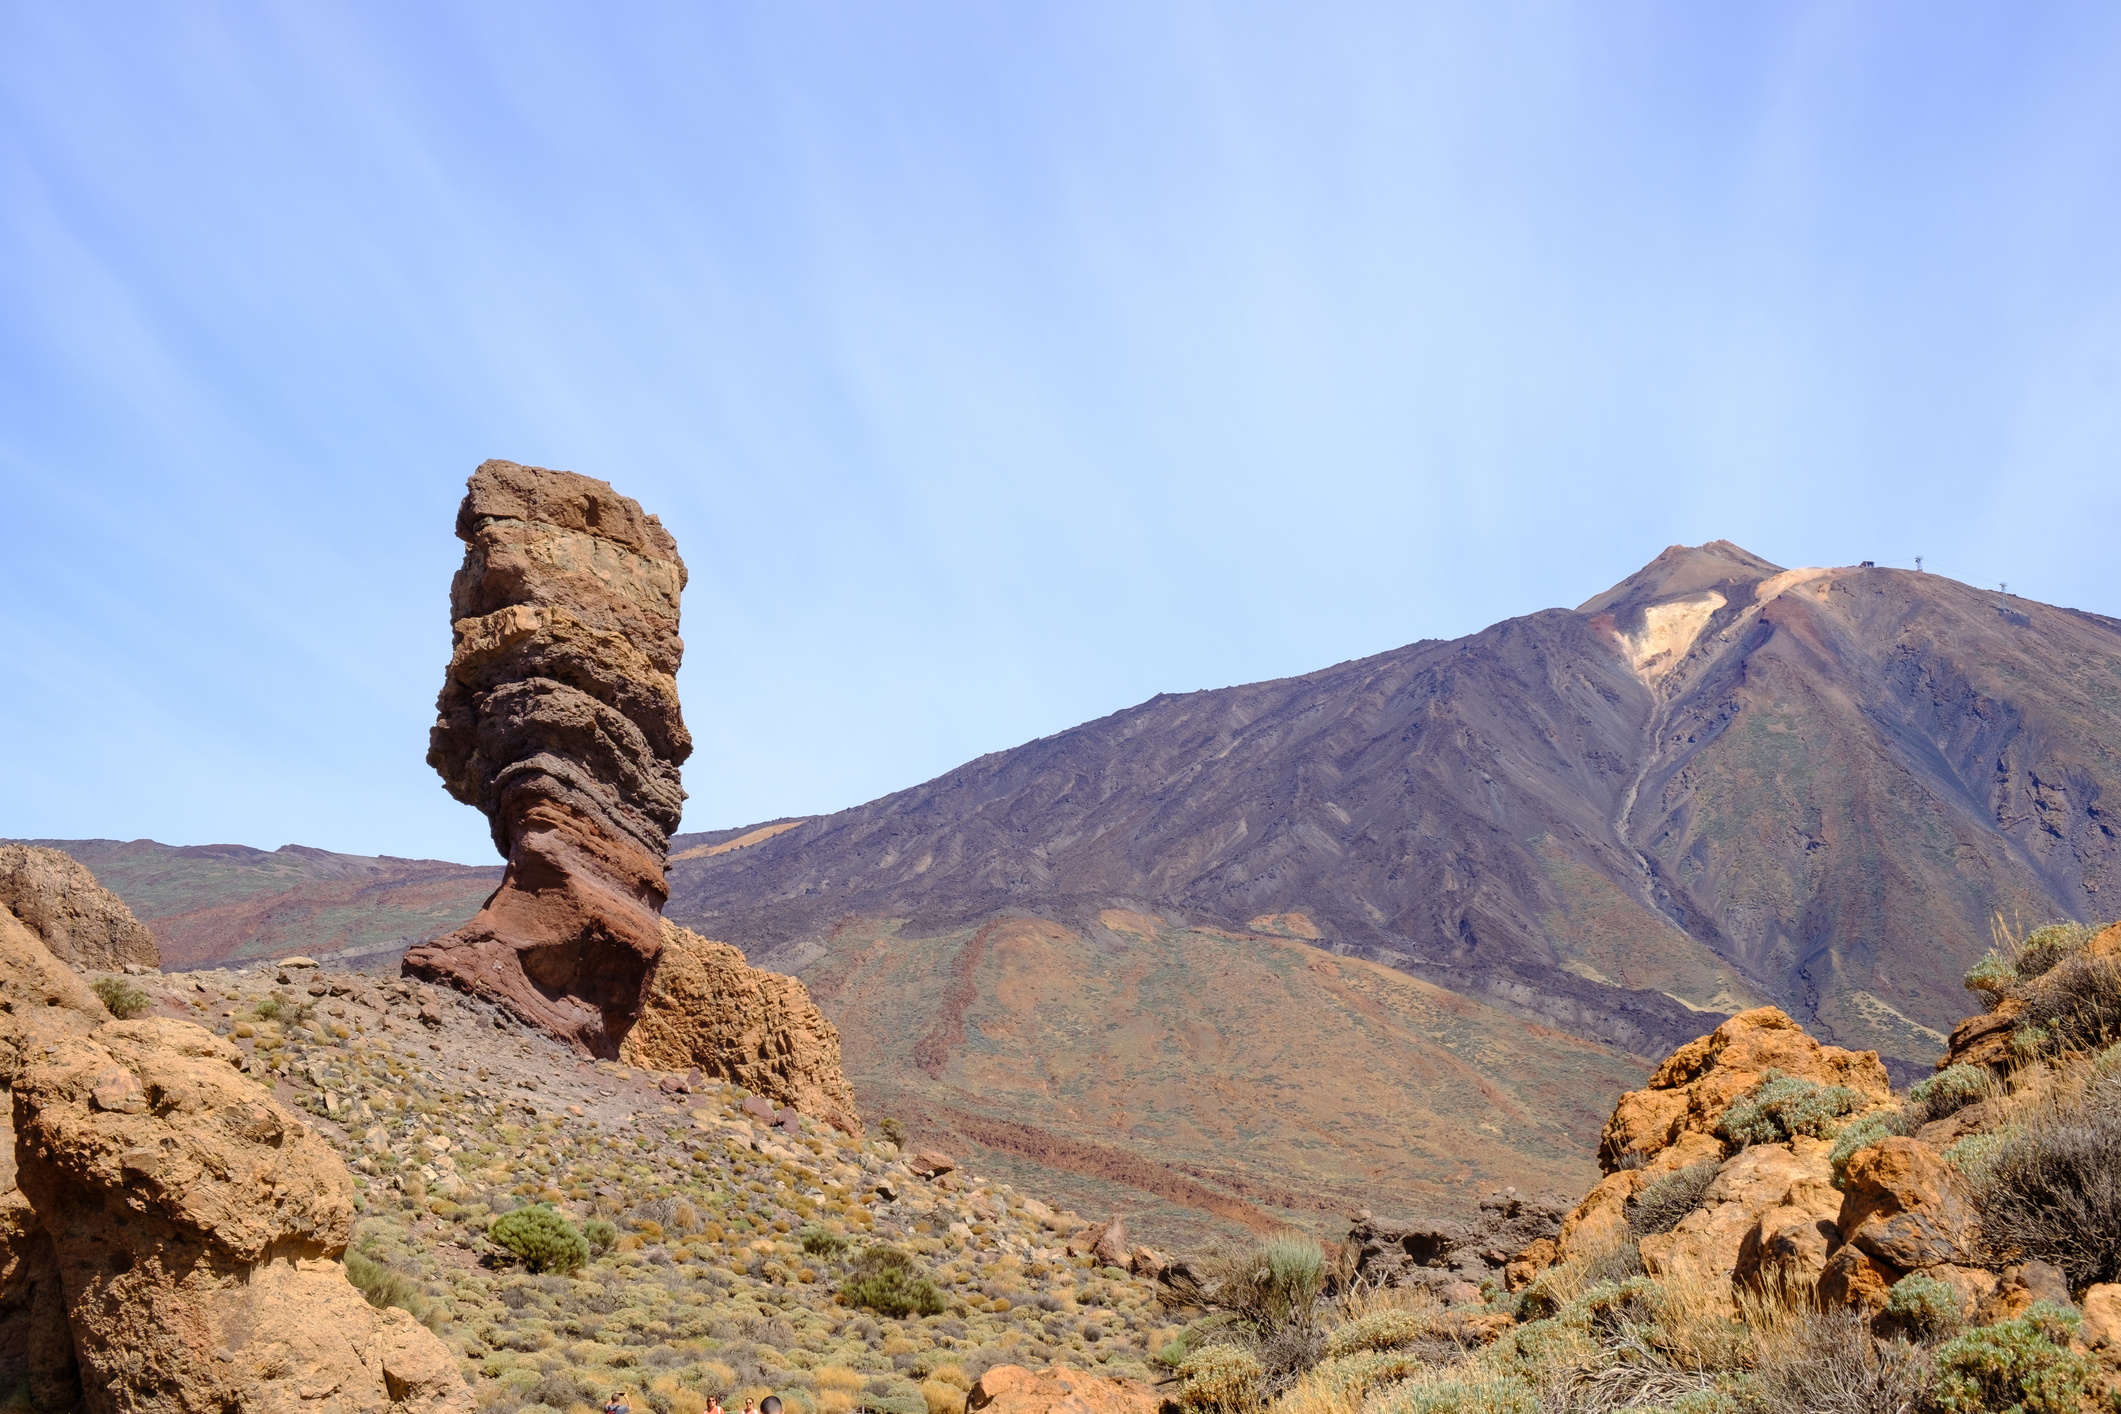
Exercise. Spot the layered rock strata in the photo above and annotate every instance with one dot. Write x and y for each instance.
(559, 719)
(78, 919)
(172, 1238)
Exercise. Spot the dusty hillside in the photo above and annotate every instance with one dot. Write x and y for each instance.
(1718, 784)
(720, 1232)
(1203, 1080)
(223, 903)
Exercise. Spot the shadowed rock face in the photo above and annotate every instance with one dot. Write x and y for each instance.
(559, 719)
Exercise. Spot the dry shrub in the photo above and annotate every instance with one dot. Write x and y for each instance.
(2075, 1006)
(942, 1398)
(1339, 1386)
(1559, 1285)
(1825, 1362)
(839, 1378)
(1659, 1204)
(1221, 1379)
(1380, 1330)
(2050, 1187)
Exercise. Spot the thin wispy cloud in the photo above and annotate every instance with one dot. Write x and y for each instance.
(995, 368)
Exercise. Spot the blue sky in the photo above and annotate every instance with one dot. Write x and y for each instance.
(996, 366)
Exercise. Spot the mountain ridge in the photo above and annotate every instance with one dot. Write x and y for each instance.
(1545, 841)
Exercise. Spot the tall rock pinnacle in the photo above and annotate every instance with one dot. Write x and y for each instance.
(559, 719)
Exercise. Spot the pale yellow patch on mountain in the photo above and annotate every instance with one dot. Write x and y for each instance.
(758, 836)
(1668, 631)
(1287, 925)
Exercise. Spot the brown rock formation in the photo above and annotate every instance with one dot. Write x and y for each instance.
(1709, 1245)
(1012, 1389)
(1697, 1083)
(172, 1239)
(559, 719)
(706, 1007)
(1908, 1208)
(78, 919)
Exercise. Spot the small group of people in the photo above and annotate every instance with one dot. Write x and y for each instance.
(771, 1404)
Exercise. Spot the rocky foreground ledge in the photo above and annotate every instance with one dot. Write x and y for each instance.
(171, 1235)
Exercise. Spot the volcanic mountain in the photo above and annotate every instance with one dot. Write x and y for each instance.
(1718, 783)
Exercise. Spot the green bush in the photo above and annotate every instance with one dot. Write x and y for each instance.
(820, 1242)
(541, 1239)
(600, 1234)
(1992, 979)
(1925, 1307)
(1221, 1379)
(381, 1285)
(121, 996)
(890, 1283)
(267, 1010)
(2023, 1366)
(1782, 1106)
(2044, 947)
(1659, 1204)
(1946, 1093)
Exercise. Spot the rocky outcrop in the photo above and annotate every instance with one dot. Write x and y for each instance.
(79, 920)
(1689, 1093)
(1445, 1254)
(559, 719)
(1012, 1389)
(1712, 1244)
(706, 1007)
(173, 1236)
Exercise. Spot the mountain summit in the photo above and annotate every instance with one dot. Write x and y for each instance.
(1717, 784)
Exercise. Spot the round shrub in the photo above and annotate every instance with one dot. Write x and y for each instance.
(2024, 1366)
(1925, 1307)
(1783, 1106)
(889, 1282)
(822, 1242)
(1221, 1379)
(1380, 1330)
(541, 1239)
(122, 998)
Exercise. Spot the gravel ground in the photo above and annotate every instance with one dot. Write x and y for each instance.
(700, 1284)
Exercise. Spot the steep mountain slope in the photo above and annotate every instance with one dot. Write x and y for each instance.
(1716, 784)
(229, 903)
